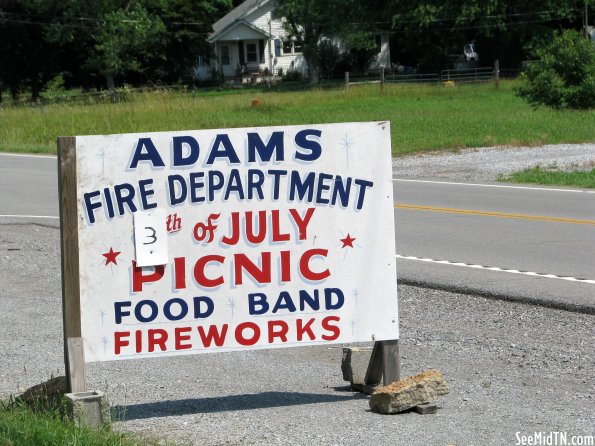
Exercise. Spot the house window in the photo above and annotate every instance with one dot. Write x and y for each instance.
(251, 55)
(277, 47)
(261, 50)
(297, 47)
(287, 47)
(225, 55)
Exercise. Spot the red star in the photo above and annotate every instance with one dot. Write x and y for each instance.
(347, 241)
(110, 257)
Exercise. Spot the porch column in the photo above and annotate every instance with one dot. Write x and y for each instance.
(216, 50)
(270, 44)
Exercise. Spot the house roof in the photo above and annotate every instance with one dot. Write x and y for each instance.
(237, 13)
(237, 25)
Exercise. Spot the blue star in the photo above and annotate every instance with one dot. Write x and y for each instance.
(346, 143)
(232, 304)
(102, 154)
(104, 341)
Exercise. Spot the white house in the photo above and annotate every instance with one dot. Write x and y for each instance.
(250, 40)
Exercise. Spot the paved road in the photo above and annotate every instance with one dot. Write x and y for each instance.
(535, 244)
(28, 187)
(532, 243)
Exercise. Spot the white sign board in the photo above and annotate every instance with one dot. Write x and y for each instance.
(225, 240)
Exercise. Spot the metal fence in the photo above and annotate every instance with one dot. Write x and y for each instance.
(414, 77)
(483, 74)
(468, 75)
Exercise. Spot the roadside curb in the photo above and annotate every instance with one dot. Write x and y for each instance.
(46, 222)
(547, 303)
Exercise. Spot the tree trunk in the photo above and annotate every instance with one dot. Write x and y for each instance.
(312, 58)
(35, 89)
(14, 92)
(111, 86)
(313, 72)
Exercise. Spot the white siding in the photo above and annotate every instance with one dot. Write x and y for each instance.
(241, 32)
(263, 19)
(382, 60)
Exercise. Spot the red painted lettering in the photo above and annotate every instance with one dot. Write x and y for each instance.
(157, 337)
(262, 227)
(278, 329)
(138, 337)
(180, 273)
(261, 275)
(305, 269)
(138, 278)
(277, 235)
(199, 271)
(213, 335)
(302, 223)
(180, 337)
(243, 340)
(285, 266)
(333, 329)
(119, 341)
(303, 329)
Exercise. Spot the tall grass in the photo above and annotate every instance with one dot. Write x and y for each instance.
(19, 426)
(422, 117)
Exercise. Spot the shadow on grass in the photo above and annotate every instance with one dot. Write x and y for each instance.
(224, 404)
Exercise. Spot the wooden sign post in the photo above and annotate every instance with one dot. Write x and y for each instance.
(202, 241)
(74, 357)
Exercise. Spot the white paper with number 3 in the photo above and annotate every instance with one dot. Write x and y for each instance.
(150, 238)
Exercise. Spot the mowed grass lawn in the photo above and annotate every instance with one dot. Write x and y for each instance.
(422, 117)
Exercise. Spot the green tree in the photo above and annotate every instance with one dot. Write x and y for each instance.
(137, 40)
(308, 20)
(427, 32)
(565, 75)
(124, 39)
(187, 23)
(26, 58)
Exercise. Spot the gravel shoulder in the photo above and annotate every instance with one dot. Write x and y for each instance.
(511, 368)
(485, 164)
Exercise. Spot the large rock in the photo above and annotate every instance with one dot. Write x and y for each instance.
(409, 392)
(47, 395)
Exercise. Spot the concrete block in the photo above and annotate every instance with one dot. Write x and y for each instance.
(354, 364)
(89, 409)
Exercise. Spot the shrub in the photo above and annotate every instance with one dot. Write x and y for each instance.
(292, 75)
(565, 75)
(329, 56)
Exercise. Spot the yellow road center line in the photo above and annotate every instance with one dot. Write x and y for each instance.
(494, 214)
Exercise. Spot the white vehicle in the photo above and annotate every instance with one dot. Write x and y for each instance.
(470, 53)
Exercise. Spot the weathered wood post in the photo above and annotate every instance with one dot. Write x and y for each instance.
(74, 359)
(384, 362)
(346, 80)
(382, 80)
(497, 72)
